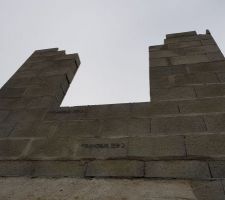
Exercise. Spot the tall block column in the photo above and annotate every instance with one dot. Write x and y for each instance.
(38, 86)
(184, 65)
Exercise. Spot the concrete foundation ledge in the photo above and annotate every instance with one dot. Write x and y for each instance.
(113, 189)
(164, 169)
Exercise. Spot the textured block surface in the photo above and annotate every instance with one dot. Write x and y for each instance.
(217, 169)
(177, 125)
(177, 169)
(115, 168)
(156, 147)
(207, 146)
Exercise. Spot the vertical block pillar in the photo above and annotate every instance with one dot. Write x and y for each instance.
(175, 66)
(39, 85)
(41, 82)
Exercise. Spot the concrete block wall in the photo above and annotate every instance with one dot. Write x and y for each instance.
(178, 135)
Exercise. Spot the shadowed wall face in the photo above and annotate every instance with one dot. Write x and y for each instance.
(178, 135)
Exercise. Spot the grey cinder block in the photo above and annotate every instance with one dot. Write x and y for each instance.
(58, 169)
(177, 169)
(217, 168)
(78, 128)
(156, 147)
(203, 105)
(215, 123)
(115, 168)
(206, 146)
(177, 125)
(150, 109)
(175, 93)
(12, 148)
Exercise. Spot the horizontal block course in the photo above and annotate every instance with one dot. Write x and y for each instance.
(177, 125)
(156, 48)
(34, 130)
(203, 105)
(43, 102)
(35, 68)
(198, 50)
(156, 147)
(82, 128)
(42, 168)
(29, 103)
(153, 108)
(217, 169)
(155, 62)
(58, 169)
(19, 83)
(38, 91)
(16, 168)
(180, 80)
(162, 82)
(50, 149)
(187, 38)
(208, 146)
(108, 111)
(196, 78)
(25, 74)
(115, 168)
(215, 123)
(12, 148)
(66, 115)
(189, 59)
(12, 92)
(25, 115)
(177, 169)
(59, 57)
(46, 56)
(158, 72)
(44, 51)
(176, 93)
(182, 34)
(125, 127)
(163, 54)
(194, 43)
(216, 66)
(214, 90)
(181, 39)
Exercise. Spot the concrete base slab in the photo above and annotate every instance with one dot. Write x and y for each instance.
(93, 189)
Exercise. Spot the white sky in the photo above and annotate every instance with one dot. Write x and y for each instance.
(111, 37)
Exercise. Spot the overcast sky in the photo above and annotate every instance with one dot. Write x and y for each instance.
(111, 37)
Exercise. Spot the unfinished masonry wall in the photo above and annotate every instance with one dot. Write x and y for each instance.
(178, 135)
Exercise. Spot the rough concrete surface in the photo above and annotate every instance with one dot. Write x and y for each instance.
(96, 189)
